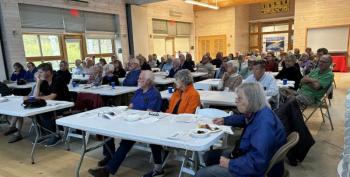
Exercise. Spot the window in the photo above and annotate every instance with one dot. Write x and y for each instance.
(36, 45)
(99, 46)
(261, 34)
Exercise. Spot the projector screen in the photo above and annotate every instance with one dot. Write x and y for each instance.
(335, 39)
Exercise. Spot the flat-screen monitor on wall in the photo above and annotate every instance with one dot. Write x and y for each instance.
(335, 39)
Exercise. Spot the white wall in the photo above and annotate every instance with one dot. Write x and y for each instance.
(140, 30)
(12, 32)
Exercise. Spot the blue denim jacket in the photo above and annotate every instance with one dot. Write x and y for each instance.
(263, 136)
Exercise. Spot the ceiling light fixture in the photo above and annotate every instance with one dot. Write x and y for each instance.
(216, 7)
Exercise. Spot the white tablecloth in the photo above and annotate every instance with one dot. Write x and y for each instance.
(14, 85)
(211, 82)
(194, 74)
(289, 84)
(141, 131)
(104, 90)
(159, 80)
(218, 98)
(80, 77)
(13, 107)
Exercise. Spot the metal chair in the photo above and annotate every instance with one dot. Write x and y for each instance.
(281, 153)
(321, 105)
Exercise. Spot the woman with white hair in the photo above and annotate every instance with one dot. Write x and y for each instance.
(231, 79)
(96, 77)
(110, 77)
(185, 99)
(262, 136)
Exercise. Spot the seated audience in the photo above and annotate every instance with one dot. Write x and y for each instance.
(219, 73)
(241, 63)
(308, 50)
(271, 63)
(262, 136)
(143, 63)
(96, 77)
(218, 60)
(118, 69)
(297, 53)
(231, 79)
(89, 67)
(315, 84)
(185, 99)
(19, 72)
(146, 98)
(248, 70)
(134, 73)
(78, 70)
(49, 87)
(320, 53)
(162, 62)
(189, 61)
(155, 58)
(110, 77)
(30, 72)
(175, 68)
(152, 62)
(206, 66)
(64, 72)
(267, 81)
(290, 72)
(113, 58)
(306, 64)
(184, 64)
(168, 64)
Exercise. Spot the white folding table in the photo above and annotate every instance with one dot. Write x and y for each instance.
(194, 74)
(81, 77)
(281, 85)
(13, 107)
(217, 98)
(104, 90)
(14, 85)
(211, 82)
(163, 127)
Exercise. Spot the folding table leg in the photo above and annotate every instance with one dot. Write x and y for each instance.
(37, 134)
(183, 164)
(82, 153)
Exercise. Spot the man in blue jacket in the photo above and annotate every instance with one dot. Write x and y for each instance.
(134, 73)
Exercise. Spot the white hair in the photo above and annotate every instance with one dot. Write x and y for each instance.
(255, 95)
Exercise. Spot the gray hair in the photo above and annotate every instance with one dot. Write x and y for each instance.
(232, 65)
(184, 76)
(255, 95)
(291, 57)
(328, 57)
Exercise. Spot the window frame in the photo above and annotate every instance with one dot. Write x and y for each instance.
(100, 54)
(45, 58)
(260, 33)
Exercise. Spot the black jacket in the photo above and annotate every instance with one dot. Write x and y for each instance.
(187, 65)
(4, 90)
(292, 74)
(292, 119)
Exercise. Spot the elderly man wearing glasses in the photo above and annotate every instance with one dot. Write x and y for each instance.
(315, 84)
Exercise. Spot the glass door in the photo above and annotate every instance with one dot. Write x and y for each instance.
(73, 47)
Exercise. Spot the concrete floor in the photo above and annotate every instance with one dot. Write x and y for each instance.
(321, 161)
